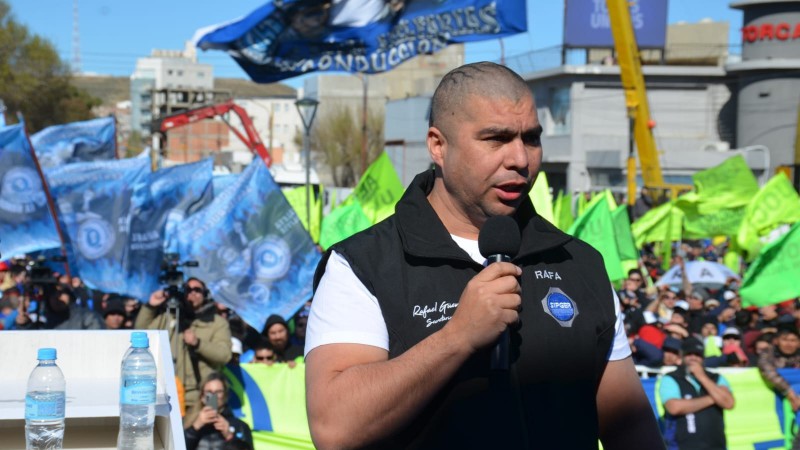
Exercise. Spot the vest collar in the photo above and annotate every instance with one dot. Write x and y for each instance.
(423, 234)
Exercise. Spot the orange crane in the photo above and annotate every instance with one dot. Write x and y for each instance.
(249, 137)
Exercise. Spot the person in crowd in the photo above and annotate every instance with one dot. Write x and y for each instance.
(632, 294)
(132, 307)
(696, 312)
(9, 308)
(236, 351)
(664, 306)
(276, 331)
(405, 316)
(732, 347)
(114, 313)
(785, 353)
(298, 338)
(264, 353)
(83, 295)
(214, 425)
(200, 339)
(63, 313)
(671, 352)
(693, 400)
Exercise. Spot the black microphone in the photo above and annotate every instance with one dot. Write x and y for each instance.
(499, 240)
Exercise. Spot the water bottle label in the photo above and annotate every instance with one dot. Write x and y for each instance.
(44, 409)
(138, 392)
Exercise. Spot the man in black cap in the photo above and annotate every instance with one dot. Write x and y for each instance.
(693, 401)
(114, 313)
(277, 332)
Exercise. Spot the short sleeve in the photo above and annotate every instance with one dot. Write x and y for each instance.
(620, 349)
(344, 311)
(668, 389)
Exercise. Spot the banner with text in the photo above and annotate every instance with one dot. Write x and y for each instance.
(283, 39)
(588, 25)
(90, 140)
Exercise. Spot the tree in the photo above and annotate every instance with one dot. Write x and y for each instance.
(34, 80)
(337, 136)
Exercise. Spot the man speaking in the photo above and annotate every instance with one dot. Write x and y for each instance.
(406, 319)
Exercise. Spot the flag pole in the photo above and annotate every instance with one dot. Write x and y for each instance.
(50, 204)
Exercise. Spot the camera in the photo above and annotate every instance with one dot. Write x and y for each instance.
(172, 278)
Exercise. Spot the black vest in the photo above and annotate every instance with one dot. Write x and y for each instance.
(704, 429)
(547, 398)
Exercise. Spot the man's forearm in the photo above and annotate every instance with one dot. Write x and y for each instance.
(721, 396)
(366, 403)
(683, 406)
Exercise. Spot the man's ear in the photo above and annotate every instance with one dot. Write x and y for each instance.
(437, 145)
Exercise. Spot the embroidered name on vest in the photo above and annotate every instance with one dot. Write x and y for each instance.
(438, 312)
(546, 275)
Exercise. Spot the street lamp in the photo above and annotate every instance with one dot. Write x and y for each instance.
(307, 108)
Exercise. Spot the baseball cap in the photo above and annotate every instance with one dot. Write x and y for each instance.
(711, 303)
(236, 346)
(671, 344)
(692, 345)
(731, 331)
(682, 304)
(729, 295)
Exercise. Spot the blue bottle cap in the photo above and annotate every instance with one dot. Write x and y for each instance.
(137, 334)
(46, 353)
(140, 341)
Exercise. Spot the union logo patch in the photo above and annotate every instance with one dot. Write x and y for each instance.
(559, 306)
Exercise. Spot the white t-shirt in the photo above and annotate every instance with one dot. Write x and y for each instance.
(345, 312)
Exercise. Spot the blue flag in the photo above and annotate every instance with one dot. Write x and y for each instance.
(91, 140)
(283, 39)
(94, 207)
(252, 250)
(221, 182)
(26, 224)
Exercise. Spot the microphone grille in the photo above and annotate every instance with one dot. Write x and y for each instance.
(499, 236)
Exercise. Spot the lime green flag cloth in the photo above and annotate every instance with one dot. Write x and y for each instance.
(728, 185)
(699, 224)
(562, 211)
(655, 225)
(297, 200)
(582, 204)
(541, 198)
(596, 227)
(343, 222)
(754, 418)
(622, 230)
(772, 278)
(372, 201)
(777, 203)
(379, 189)
(271, 402)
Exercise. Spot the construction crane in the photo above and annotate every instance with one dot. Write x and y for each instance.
(249, 137)
(640, 123)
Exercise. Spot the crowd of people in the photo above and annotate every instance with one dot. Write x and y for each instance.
(204, 337)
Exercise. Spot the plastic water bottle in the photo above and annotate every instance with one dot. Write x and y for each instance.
(134, 335)
(137, 397)
(44, 404)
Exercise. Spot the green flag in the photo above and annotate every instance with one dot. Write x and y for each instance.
(596, 228)
(379, 189)
(772, 278)
(343, 222)
(582, 204)
(297, 200)
(622, 230)
(563, 211)
(541, 198)
(777, 203)
(728, 185)
(699, 223)
(655, 225)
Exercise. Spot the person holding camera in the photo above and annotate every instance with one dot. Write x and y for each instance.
(199, 338)
(214, 426)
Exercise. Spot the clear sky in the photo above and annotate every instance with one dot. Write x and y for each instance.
(114, 33)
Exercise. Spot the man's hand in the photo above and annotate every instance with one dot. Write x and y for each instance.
(696, 369)
(488, 305)
(157, 298)
(190, 338)
(207, 415)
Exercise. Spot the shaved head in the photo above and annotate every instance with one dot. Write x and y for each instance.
(483, 79)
